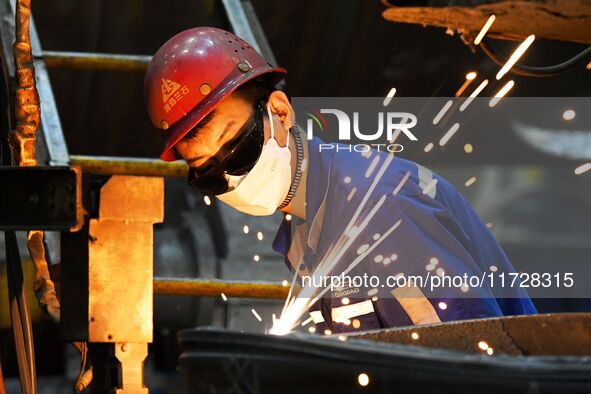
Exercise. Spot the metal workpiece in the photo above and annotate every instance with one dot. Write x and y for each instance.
(107, 268)
(95, 61)
(560, 334)
(105, 165)
(215, 360)
(215, 287)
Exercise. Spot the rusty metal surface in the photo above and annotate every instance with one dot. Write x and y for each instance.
(103, 165)
(27, 111)
(214, 288)
(561, 334)
(133, 199)
(568, 20)
(96, 61)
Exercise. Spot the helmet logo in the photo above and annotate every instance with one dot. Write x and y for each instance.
(168, 88)
(172, 93)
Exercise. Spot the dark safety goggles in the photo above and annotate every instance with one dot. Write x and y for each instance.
(236, 157)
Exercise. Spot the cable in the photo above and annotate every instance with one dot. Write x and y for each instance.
(539, 72)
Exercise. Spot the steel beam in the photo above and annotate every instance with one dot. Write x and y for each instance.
(105, 165)
(95, 61)
(215, 287)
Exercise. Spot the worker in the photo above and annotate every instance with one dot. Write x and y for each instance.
(214, 96)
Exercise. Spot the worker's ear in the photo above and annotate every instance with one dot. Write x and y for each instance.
(281, 107)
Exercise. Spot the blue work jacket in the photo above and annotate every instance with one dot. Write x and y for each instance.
(438, 233)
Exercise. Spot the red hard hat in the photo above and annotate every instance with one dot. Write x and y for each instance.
(192, 72)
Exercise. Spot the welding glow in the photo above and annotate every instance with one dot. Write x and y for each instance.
(389, 96)
(484, 29)
(207, 200)
(515, 56)
(255, 313)
(501, 93)
(363, 379)
(569, 114)
(470, 181)
(447, 136)
(428, 147)
(260, 236)
(583, 168)
(444, 109)
(475, 93)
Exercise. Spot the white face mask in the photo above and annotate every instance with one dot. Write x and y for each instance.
(266, 185)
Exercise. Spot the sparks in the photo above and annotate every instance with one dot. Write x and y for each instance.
(327, 332)
(484, 29)
(489, 351)
(347, 179)
(288, 217)
(389, 96)
(447, 136)
(312, 330)
(444, 109)
(307, 321)
(345, 301)
(501, 93)
(245, 229)
(442, 305)
(342, 338)
(414, 335)
(428, 147)
(260, 236)
(470, 181)
(363, 379)
(356, 323)
(569, 114)
(583, 168)
(255, 313)
(372, 166)
(468, 148)
(483, 345)
(515, 56)
(284, 283)
(224, 297)
(207, 200)
(473, 95)
(256, 258)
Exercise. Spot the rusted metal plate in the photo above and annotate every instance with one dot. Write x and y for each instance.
(120, 273)
(132, 198)
(567, 20)
(564, 334)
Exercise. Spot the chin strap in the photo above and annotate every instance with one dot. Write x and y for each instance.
(298, 172)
